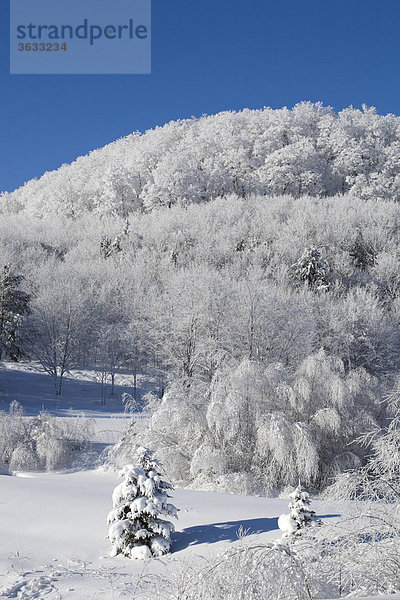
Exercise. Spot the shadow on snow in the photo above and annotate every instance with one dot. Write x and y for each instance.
(34, 390)
(225, 532)
(218, 532)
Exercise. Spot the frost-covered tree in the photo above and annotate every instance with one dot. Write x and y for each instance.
(311, 269)
(60, 329)
(14, 306)
(300, 515)
(136, 526)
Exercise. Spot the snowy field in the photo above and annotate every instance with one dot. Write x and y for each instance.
(53, 529)
(53, 525)
(53, 534)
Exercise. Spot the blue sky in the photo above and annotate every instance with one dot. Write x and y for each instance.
(207, 56)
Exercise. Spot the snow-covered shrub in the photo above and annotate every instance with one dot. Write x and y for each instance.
(43, 442)
(300, 515)
(379, 478)
(136, 526)
(252, 572)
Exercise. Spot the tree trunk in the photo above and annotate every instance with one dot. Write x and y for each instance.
(112, 384)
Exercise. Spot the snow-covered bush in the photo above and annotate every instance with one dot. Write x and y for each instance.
(43, 442)
(379, 478)
(300, 516)
(252, 571)
(364, 549)
(136, 526)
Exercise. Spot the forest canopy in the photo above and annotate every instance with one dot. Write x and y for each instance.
(307, 150)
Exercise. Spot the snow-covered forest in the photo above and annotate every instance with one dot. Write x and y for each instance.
(247, 264)
(250, 260)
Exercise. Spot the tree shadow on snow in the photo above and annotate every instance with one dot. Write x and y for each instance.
(210, 533)
(34, 390)
(218, 532)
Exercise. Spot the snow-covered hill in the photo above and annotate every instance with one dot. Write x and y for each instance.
(309, 150)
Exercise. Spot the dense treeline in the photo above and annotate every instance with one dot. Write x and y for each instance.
(283, 312)
(309, 150)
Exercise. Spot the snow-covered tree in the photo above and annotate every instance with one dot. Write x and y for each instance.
(136, 526)
(62, 323)
(14, 305)
(300, 516)
(311, 269)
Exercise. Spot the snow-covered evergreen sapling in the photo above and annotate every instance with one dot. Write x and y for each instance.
(300, 516)
(136, 526)
(312, 269)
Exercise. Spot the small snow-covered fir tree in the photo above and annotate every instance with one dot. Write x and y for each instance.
(300, 516)
(136, 526)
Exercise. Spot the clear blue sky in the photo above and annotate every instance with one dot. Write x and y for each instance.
(207, 56)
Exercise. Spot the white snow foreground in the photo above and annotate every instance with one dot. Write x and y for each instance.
(53, 543)
(136, 528)
(53, 535)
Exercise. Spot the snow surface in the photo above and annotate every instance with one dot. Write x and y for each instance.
(53, 530)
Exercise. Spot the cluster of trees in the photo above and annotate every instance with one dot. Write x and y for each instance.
(354, 556)
(308, 150)
(257, 426)
(283, 309)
